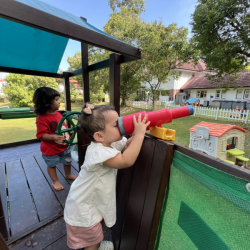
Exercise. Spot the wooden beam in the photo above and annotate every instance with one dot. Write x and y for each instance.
(24, 14)
(29, 72)
(101, 65)
(85, 72)
(66, 91)
(114, 77)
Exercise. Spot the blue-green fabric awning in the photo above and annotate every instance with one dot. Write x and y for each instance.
(28, 48)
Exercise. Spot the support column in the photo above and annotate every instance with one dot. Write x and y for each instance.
(66, 91)
(114, 80)
(85, 72)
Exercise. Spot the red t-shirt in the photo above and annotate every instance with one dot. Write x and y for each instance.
(47, 124)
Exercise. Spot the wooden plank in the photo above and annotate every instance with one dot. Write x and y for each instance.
(66, 91)
(4, 225)
(44, 236)
(157, 187)
(215, 162)
(114, 78)
(85, 72)
(20, 143)
(3, 245)
(75, 165)
(24, 14)
(60, 167)
(137, 195)
(20, 149)
(29, 72)
(124, 178)
(62, 194)
(14, 156)
(59, 244)
(44, 198)
(22, 210)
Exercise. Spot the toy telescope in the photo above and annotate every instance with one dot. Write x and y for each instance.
(156, 118)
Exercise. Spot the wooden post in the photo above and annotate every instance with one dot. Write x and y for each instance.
(114, 77)
(85, 72)
(66, 91)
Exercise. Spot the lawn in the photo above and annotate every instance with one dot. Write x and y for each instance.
(25, 129)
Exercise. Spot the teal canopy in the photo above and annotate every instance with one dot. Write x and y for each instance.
(28, 48)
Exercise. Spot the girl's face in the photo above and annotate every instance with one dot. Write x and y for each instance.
(111, 133)
(55, 105)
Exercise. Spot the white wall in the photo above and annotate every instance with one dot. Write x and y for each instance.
(230, 95)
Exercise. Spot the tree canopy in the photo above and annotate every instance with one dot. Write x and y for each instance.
(21, 88)
(136, 6)
(221, 31)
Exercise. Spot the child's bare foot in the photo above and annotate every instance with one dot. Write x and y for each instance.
(57, 185)
(71, 176)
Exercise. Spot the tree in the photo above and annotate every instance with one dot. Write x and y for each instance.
(19, 89)
(221, 31)
(98, 80)
(163, 48)
(125, 25)
(136, 6)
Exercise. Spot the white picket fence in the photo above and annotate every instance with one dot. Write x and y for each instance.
(149, 105)
(227, 114)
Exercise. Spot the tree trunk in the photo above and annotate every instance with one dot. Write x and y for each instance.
(123, 100)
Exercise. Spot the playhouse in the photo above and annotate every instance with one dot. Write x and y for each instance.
(223, 141)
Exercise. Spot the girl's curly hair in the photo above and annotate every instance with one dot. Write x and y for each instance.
(43, 98)
(91, 123)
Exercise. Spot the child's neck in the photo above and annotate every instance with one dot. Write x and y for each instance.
(51, 112)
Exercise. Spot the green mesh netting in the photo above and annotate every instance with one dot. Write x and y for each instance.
(216, 210)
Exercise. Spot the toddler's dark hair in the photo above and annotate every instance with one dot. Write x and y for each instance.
(91, 123)
(43, 98)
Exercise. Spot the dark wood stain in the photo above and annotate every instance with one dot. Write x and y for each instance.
(44, 236)
(44, 198)
(62, 194)
(22, 210)
(59, 244)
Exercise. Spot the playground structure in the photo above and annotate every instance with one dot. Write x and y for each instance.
(223, 141)
(185, 208)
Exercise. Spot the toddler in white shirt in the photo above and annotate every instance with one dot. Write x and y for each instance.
(92, 197)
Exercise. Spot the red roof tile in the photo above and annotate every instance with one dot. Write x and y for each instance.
(73, 81)
(215, 129)
(201, 66)
(201, 82)
(77, 86)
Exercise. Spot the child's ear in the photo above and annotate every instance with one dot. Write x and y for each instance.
(98, 136)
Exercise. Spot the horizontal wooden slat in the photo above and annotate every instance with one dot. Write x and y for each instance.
(60, 167)
(59, 244)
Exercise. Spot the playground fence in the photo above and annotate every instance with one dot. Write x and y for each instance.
(228, 114)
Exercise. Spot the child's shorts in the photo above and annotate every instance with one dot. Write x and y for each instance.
(53, 160)
(79, 237)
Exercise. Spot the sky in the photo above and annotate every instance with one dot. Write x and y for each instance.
(97, 13)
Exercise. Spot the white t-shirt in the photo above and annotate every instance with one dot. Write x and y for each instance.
(92, 195)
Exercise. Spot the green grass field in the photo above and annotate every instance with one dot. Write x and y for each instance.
(24, 129)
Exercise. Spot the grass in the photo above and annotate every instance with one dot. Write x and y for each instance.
(24, 129)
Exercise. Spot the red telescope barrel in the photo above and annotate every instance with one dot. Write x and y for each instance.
(156, 118)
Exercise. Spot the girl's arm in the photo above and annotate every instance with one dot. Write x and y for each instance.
(128, 158)
(56, 138)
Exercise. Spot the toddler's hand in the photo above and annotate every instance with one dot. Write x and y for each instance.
(58, 139)
(140, 126)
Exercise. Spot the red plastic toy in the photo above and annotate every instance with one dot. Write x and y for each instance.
(156, 118)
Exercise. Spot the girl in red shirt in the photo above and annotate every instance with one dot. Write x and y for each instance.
(53, 149)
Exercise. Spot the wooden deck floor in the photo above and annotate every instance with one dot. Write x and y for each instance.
(33, 207)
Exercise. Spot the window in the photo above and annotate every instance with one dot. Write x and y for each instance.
(217, 94)
(201, 94)
(179, 73)
(239, 94)
(247, 94)
(223, 94)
